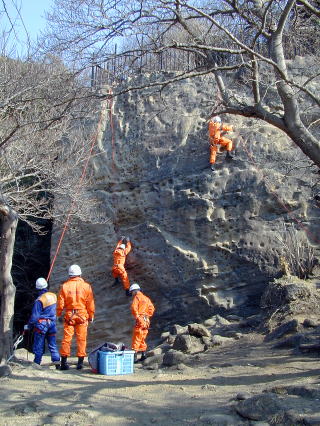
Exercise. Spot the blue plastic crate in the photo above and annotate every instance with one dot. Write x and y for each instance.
(115, 363)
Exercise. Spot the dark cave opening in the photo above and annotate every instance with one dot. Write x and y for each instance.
(31, 260)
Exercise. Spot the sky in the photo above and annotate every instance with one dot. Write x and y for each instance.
(32, 13)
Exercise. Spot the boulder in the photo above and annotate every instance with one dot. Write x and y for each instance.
(310, 323)
(173, 357)
(220, 340)
(286, 328)
(178, 329)
(289, 342)
(188, 344)
(156, 359)
(216, 321)
(154, 352)
(198, 330)
(259, 407)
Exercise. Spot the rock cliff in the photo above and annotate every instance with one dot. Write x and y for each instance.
(203, 243)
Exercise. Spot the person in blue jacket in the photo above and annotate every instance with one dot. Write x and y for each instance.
(43, 321)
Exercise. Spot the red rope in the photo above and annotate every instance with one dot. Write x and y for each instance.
(116, 227)
(94, 140)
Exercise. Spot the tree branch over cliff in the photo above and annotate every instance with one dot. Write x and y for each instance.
(254, 38)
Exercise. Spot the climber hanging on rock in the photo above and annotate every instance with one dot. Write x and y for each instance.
(119, 257)
(216, 138)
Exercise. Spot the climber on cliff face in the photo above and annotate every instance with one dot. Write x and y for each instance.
(216, 129)
(142, 309)
(119, 257)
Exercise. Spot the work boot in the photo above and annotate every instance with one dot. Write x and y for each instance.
(143, 356)
(64, 365)
(135, 357)
(57, 364)
(116, 282)
(80, 362)
(229, 156)
(212, 168)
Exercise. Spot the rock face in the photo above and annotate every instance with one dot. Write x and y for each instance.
(203, 243)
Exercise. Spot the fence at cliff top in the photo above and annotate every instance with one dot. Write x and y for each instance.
(118, 67)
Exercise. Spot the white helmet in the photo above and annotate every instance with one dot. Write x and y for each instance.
(41, 283)
(134, 287)
(217, 119)
(74, 271)
(122, 246)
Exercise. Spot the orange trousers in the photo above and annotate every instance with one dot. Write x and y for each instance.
(81, 337)
(225, 142)
(139, 339)
(118, 271)
(140, 332)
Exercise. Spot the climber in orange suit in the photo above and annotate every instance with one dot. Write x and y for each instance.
(119, 257)
(76, 298)
(142, 309)
(215, 139)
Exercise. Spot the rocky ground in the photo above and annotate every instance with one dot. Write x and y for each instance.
(244, 382)
(260, 370)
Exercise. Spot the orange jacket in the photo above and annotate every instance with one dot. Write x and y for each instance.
(216, 128)
(119, 255)
(142, 305)
(76, 293)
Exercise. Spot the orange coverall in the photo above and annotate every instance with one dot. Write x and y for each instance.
(142, 309)
(76, 297)
(119, 258)
(216, 139)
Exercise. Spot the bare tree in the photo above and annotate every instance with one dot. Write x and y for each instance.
(44, 146)
(249, 37)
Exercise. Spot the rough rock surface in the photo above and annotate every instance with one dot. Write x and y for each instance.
(203, 243)
(188, 344)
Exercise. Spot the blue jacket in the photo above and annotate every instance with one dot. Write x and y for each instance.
(44, 307)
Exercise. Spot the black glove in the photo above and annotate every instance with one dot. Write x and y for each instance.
(60, 319)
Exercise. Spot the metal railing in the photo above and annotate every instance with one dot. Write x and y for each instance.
(119, 67)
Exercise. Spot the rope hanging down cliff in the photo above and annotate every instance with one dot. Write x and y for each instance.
(93, 143)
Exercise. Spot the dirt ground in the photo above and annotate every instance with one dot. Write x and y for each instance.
(195, 393)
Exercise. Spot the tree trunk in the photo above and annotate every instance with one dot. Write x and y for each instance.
(295, 129)
(8, 225)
